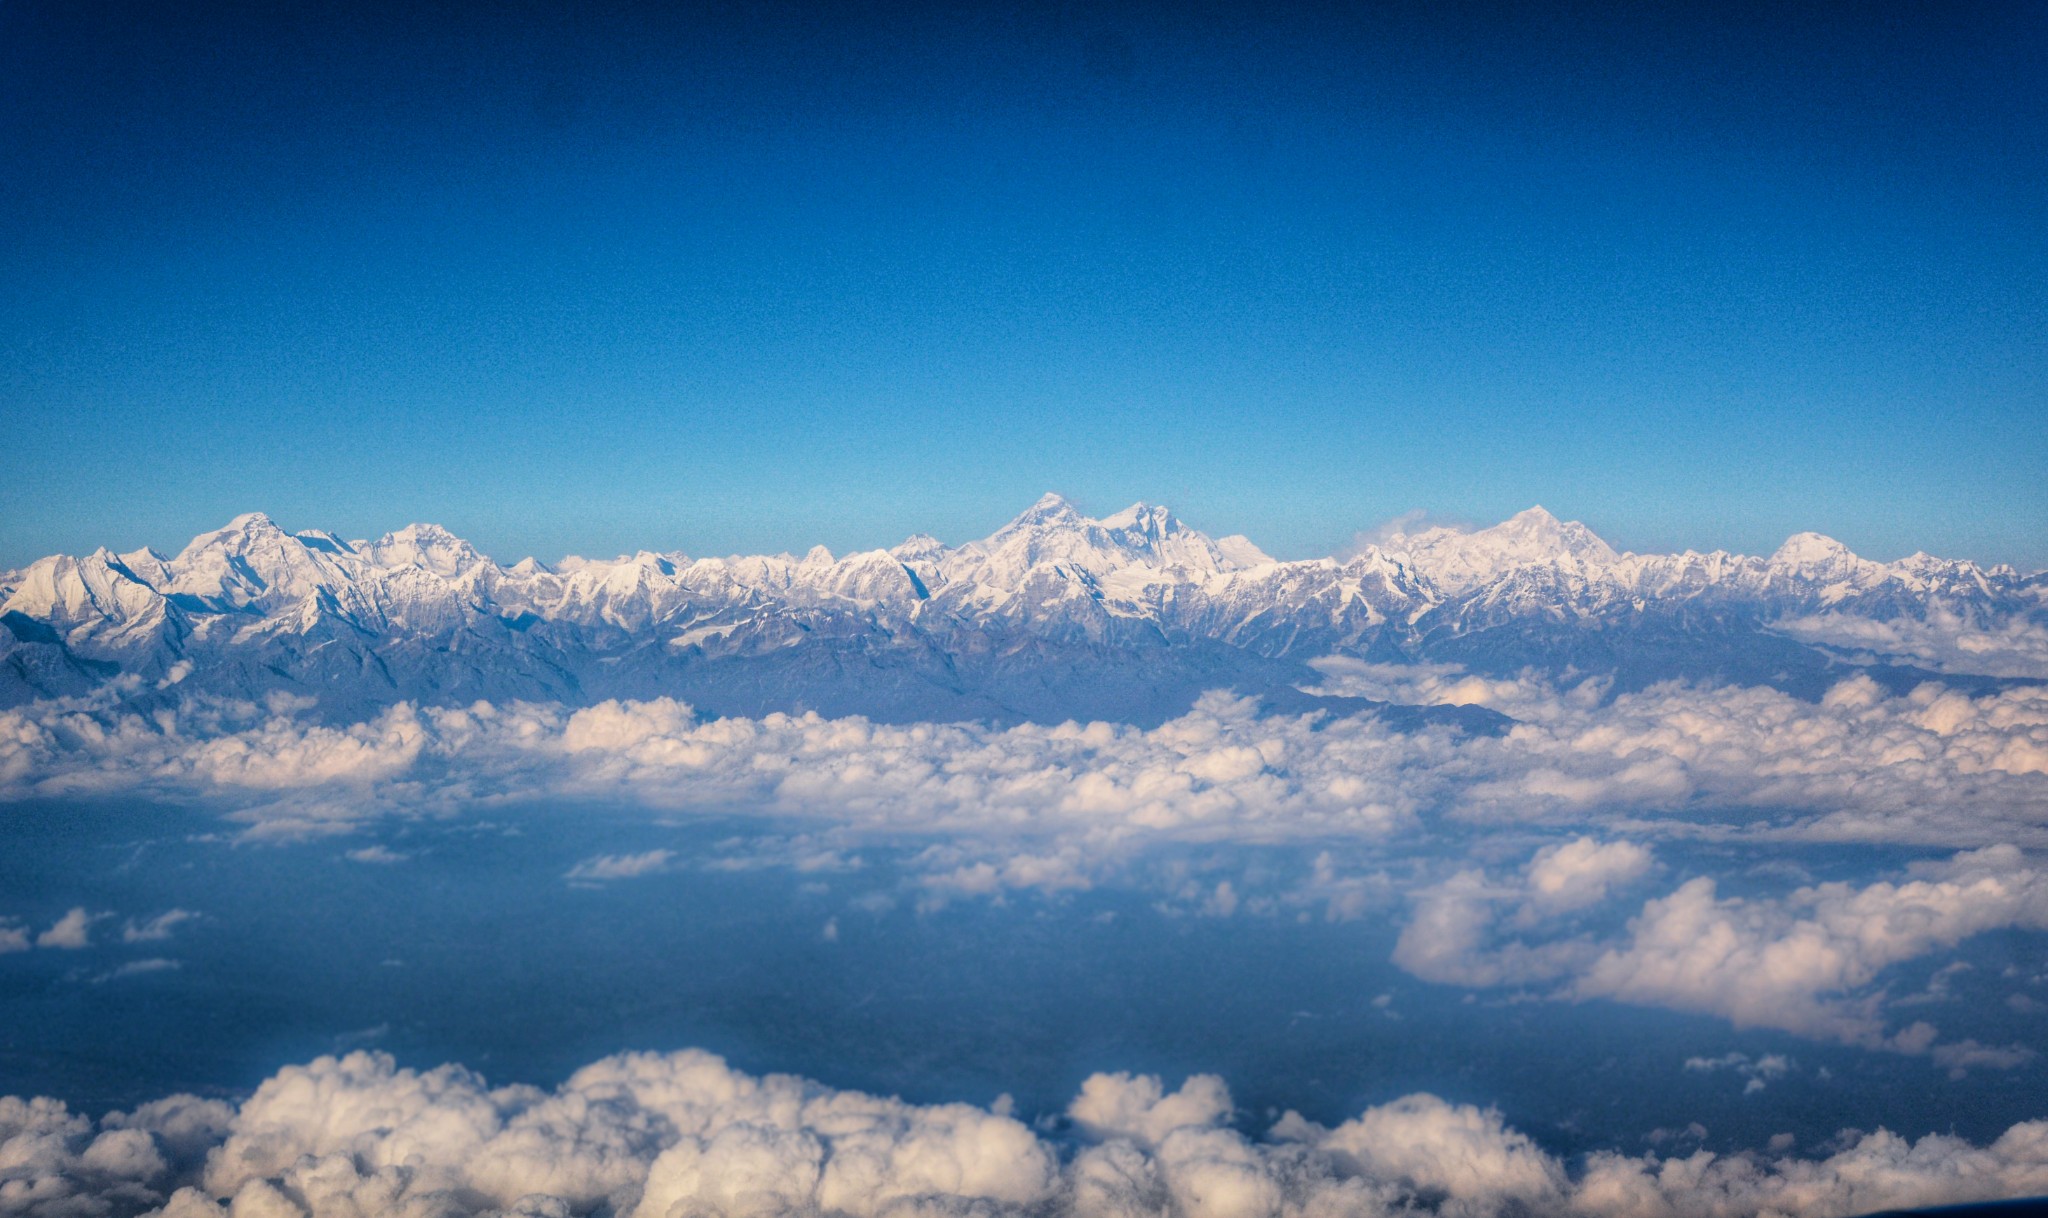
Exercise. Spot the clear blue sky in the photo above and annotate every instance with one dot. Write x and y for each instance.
(751, 277)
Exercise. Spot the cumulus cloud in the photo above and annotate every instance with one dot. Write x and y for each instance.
(1576, 874)
(683, 1134)
(1452, 936)
(14, 937)
(1776, 963)
(56, 1162)
(1804, 963)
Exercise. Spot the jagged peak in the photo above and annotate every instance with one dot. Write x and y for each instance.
(1151, 518)
(918, 546)
(1242, 551)
(146, 563)
(422, 532)
(1051, 508)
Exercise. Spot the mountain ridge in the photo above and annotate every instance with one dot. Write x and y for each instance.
(1054, 612)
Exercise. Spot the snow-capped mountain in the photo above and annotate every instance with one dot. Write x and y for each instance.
(1054, 615)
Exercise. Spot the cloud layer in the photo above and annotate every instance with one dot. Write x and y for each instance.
(1933, 767)
(988, 811)
(684, 1135)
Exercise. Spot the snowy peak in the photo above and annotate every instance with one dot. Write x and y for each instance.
(422, 613)
(1240, 552)
(245, 533)
(1458, 560)
(1144, 519)
(428, 547)
(919, 548)
(1142, 545)
(252, 562)
(1537, 530)
(1814, 559)
(1051, 511)
(1809, 551)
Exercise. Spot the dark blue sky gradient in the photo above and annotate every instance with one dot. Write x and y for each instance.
(758, 276)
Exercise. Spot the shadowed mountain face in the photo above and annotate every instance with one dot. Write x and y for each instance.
(1054, 616)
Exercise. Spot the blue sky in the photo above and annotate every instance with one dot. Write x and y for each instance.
(736, 281)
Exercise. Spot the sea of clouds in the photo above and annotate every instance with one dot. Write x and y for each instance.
(1607, 782)
(1546, 860)
(1931, 767)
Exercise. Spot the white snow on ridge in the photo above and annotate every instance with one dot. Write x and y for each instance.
(1052, 572)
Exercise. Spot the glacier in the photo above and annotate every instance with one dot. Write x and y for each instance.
(1054, 616)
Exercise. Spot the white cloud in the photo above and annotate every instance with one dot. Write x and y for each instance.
(1805, 963)
(1795, 964)
(668, 1135)
(156, 929)
(1758, 1072)
(1139, 1107)
(1931, 767)
(1451, 938)
(621, 866)
(139, 968)
(1945, 640)
(1576, 874)
(378, 853)
(14, 937)
(1452, 934)
(72, 932)
(56, 1163)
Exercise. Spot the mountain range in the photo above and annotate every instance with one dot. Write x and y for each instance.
(1055, 615)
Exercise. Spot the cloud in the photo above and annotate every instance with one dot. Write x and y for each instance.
(1576, 874)
(1945, 640)
(1451, 936)
(683, 1134)
(621, 866)
(1795, 963)
(156, 929)
(14, 937)
(376, 854)
(72, 932)
(1931, 767)
(1805, 963)
(55, 1162)
(1758, 1072)
(139, 968)
(1139, 1108)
